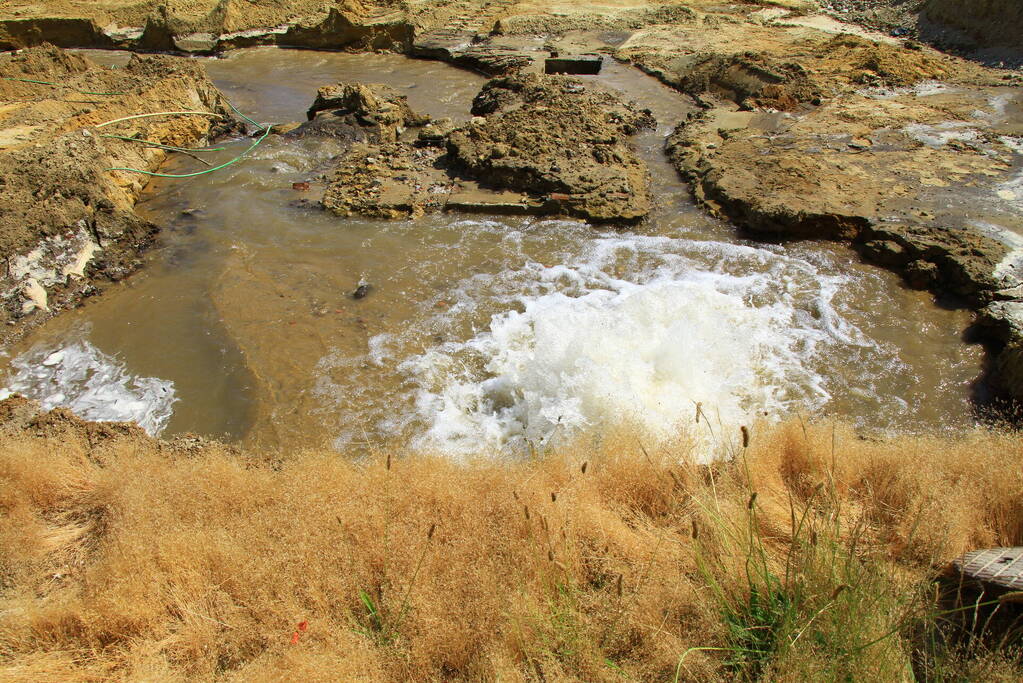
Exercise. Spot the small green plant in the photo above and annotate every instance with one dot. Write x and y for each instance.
(754, 628)
(822, 603)
(377, 627)
(376, 622)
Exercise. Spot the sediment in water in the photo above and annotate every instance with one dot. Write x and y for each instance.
(729, 60)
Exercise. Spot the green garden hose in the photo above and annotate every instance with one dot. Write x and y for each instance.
(170, 147)
(266, 131)
(160, 113)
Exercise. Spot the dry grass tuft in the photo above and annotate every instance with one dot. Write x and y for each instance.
(804, 556)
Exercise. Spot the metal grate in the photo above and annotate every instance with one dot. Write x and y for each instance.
(1001, 567)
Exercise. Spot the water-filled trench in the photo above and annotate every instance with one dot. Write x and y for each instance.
(479, 333)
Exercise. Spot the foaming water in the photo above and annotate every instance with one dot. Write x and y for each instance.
(489, 334)
(634, 328)
(589, 328)
(94, 385)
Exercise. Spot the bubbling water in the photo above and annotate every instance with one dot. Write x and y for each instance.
(94, 385)
(633, 328)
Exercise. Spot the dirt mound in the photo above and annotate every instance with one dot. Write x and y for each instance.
(810, 72)
(549, 134)
(16, 34)
(748, 79)
(68, 221)
(865, 62)
(584, 18)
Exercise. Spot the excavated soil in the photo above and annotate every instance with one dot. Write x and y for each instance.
(68, 224)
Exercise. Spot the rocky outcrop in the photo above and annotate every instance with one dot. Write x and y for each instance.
(467, 50)
(370, 103)
(555, 135)
(921, 181)
(375, 110)
(538, 145)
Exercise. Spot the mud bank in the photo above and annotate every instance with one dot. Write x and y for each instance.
(204, 28)
(68, 226)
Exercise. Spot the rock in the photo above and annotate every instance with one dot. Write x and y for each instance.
(1002, 320)
(920, 274)
(377, 109)
(539, 138)
(284, 128)
(885, 252)
(435, 134)
(460, 47)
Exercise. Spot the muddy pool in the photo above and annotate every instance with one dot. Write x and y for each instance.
(478, 332)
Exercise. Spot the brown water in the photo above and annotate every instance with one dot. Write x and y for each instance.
(479, 332)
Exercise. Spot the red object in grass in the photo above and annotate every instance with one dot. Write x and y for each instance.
(294, 638)
(303, 625)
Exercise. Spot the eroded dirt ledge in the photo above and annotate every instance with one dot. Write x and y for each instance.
(68, 224)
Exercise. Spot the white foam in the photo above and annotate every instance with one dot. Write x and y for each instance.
(921, 89)
(580, 346)
(1013, 143)
(94, 385)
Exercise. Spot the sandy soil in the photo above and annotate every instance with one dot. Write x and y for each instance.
(68, 223)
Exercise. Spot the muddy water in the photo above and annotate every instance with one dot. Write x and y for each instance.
(477, 332)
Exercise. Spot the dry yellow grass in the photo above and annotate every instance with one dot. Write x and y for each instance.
(124, 558)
